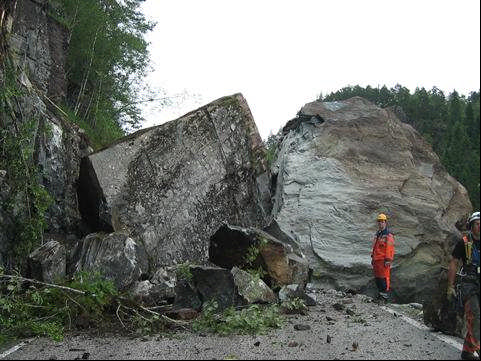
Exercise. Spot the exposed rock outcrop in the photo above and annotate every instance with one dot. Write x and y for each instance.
(338, 166)
(39, 44)
(34, 47)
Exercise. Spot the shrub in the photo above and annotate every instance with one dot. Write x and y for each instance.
(294, 305)
(26, 310)
(251, 320)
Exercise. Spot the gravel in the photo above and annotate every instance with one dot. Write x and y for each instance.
(340, 327)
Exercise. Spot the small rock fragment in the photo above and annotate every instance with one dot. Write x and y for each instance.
(338, 306)
(301, 327)
(350, 312)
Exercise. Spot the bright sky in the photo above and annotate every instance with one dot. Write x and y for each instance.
(282, 54)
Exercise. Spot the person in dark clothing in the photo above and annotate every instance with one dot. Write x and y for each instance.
(466, 251)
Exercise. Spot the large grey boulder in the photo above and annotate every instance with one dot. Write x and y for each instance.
(171, 186)
(341, 163)
(114, 255)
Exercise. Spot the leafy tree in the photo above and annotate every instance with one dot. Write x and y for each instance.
(107, 58)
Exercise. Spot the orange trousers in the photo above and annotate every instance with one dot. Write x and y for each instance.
(382, 272)
(471, 310)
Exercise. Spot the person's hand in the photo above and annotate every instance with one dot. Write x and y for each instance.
(387, 263)
(451, 292)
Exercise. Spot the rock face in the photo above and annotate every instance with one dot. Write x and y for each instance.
(34, 44)
(443, 315)
(171, 186)
(40, 44)
(338, 166)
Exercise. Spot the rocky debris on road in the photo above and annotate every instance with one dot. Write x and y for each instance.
(323, 333)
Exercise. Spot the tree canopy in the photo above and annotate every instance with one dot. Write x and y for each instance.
(449, 123)
(107, 59)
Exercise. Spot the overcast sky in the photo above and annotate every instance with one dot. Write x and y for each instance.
(282, 54)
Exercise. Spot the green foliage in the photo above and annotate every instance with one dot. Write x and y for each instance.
(183, 271)
(147, 324)
(26, 312)
(271, 148)
(27, 200)
(254, 251)
(257, 273)
(98, 292)
(251, 257)
(100, 135)
(294, 305)
(107, 59)
(254, 319)
(251, 254)
(450, 124)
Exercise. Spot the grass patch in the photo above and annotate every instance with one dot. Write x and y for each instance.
(254, 319)
(294, 305)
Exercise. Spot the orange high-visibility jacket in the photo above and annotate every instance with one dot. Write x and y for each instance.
(383, 246)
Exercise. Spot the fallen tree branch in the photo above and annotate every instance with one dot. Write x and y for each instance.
(117, 313)
(65, 288)
(164, 317)
(134, 306)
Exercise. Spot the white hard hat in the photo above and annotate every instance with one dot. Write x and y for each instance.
(473, 217)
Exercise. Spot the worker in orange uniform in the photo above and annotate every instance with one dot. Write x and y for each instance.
(382, 256)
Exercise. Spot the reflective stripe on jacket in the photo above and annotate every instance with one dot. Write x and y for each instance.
(383, 246)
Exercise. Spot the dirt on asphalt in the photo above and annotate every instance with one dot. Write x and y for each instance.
(340, 327)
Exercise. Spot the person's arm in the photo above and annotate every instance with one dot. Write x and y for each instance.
(389, 255)
(452, 269)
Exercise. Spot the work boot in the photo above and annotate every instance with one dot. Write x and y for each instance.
(379, 300)
(384, 296)
(465, 355)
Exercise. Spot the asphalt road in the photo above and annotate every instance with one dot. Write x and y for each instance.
(358, 329)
